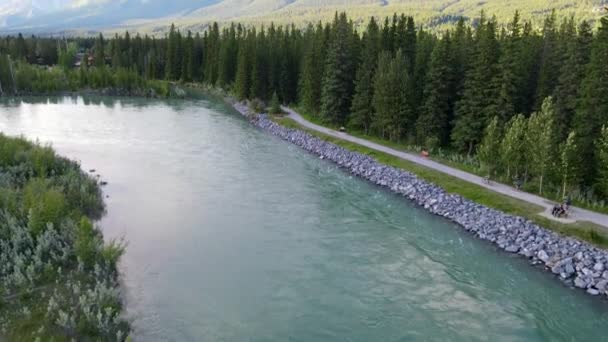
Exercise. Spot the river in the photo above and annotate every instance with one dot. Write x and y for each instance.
(235, 235)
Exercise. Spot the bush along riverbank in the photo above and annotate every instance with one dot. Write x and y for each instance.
(58, 278)
(576, 263)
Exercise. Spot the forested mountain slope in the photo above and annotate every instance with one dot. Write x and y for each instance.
(431, 13)
(155, 16)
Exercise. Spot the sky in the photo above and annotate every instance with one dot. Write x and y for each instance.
(47, 13)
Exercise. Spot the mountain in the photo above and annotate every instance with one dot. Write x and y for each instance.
(154, 16)
(60, 15)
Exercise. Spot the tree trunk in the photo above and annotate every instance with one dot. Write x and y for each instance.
(540, 190)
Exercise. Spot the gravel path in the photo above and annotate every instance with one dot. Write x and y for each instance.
(577, 214)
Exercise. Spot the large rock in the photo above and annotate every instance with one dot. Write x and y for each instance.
(599, 267)
(542, 255)
(580, 283)
(512, 249)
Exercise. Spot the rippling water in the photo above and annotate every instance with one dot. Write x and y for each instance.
(235, 235)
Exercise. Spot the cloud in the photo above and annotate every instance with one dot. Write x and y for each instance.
(84, 3)
(12, 7)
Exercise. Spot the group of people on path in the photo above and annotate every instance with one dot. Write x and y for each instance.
(562, 210)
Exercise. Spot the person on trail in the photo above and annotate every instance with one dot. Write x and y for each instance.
(568, 202)
(517, 183)
(555, 210)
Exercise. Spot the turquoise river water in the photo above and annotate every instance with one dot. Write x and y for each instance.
(235, 235)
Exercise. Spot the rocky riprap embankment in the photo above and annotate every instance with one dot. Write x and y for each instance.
(576, 263)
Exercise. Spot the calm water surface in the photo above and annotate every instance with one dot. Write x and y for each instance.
(235, 235)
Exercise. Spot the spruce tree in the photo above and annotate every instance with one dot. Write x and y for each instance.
(550, 61)
(602, 154)
(211, 54)
(227, 59)
(507, 81)
(311, 76)
(461, 50)
(259, 73)
(362, 109)
(339, 74)
(471, 110)
(188, 60)
(572, 73)
(529, 63)
(289, 57)
(415, 89)
(275, 104)
(386, 36)
(391, 110)
(171, 63)
(243, 71)
(433, 123)
(197, 55)
(592, 111)
(100, 57)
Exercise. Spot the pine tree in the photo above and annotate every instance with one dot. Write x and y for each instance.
(471, 110)
(339, 74)
(433, 123)
(592, 111)
(602, 153)
(490, 148)
(540, 140)
(362, 109)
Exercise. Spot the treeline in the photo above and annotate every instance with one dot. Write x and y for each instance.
(28, 73)
(398, 81)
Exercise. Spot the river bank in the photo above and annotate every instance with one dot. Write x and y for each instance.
(575, 263)
(162, 90)
(58, 278)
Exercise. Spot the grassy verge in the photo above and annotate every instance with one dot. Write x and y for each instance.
(582, 230)
(456, 161)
